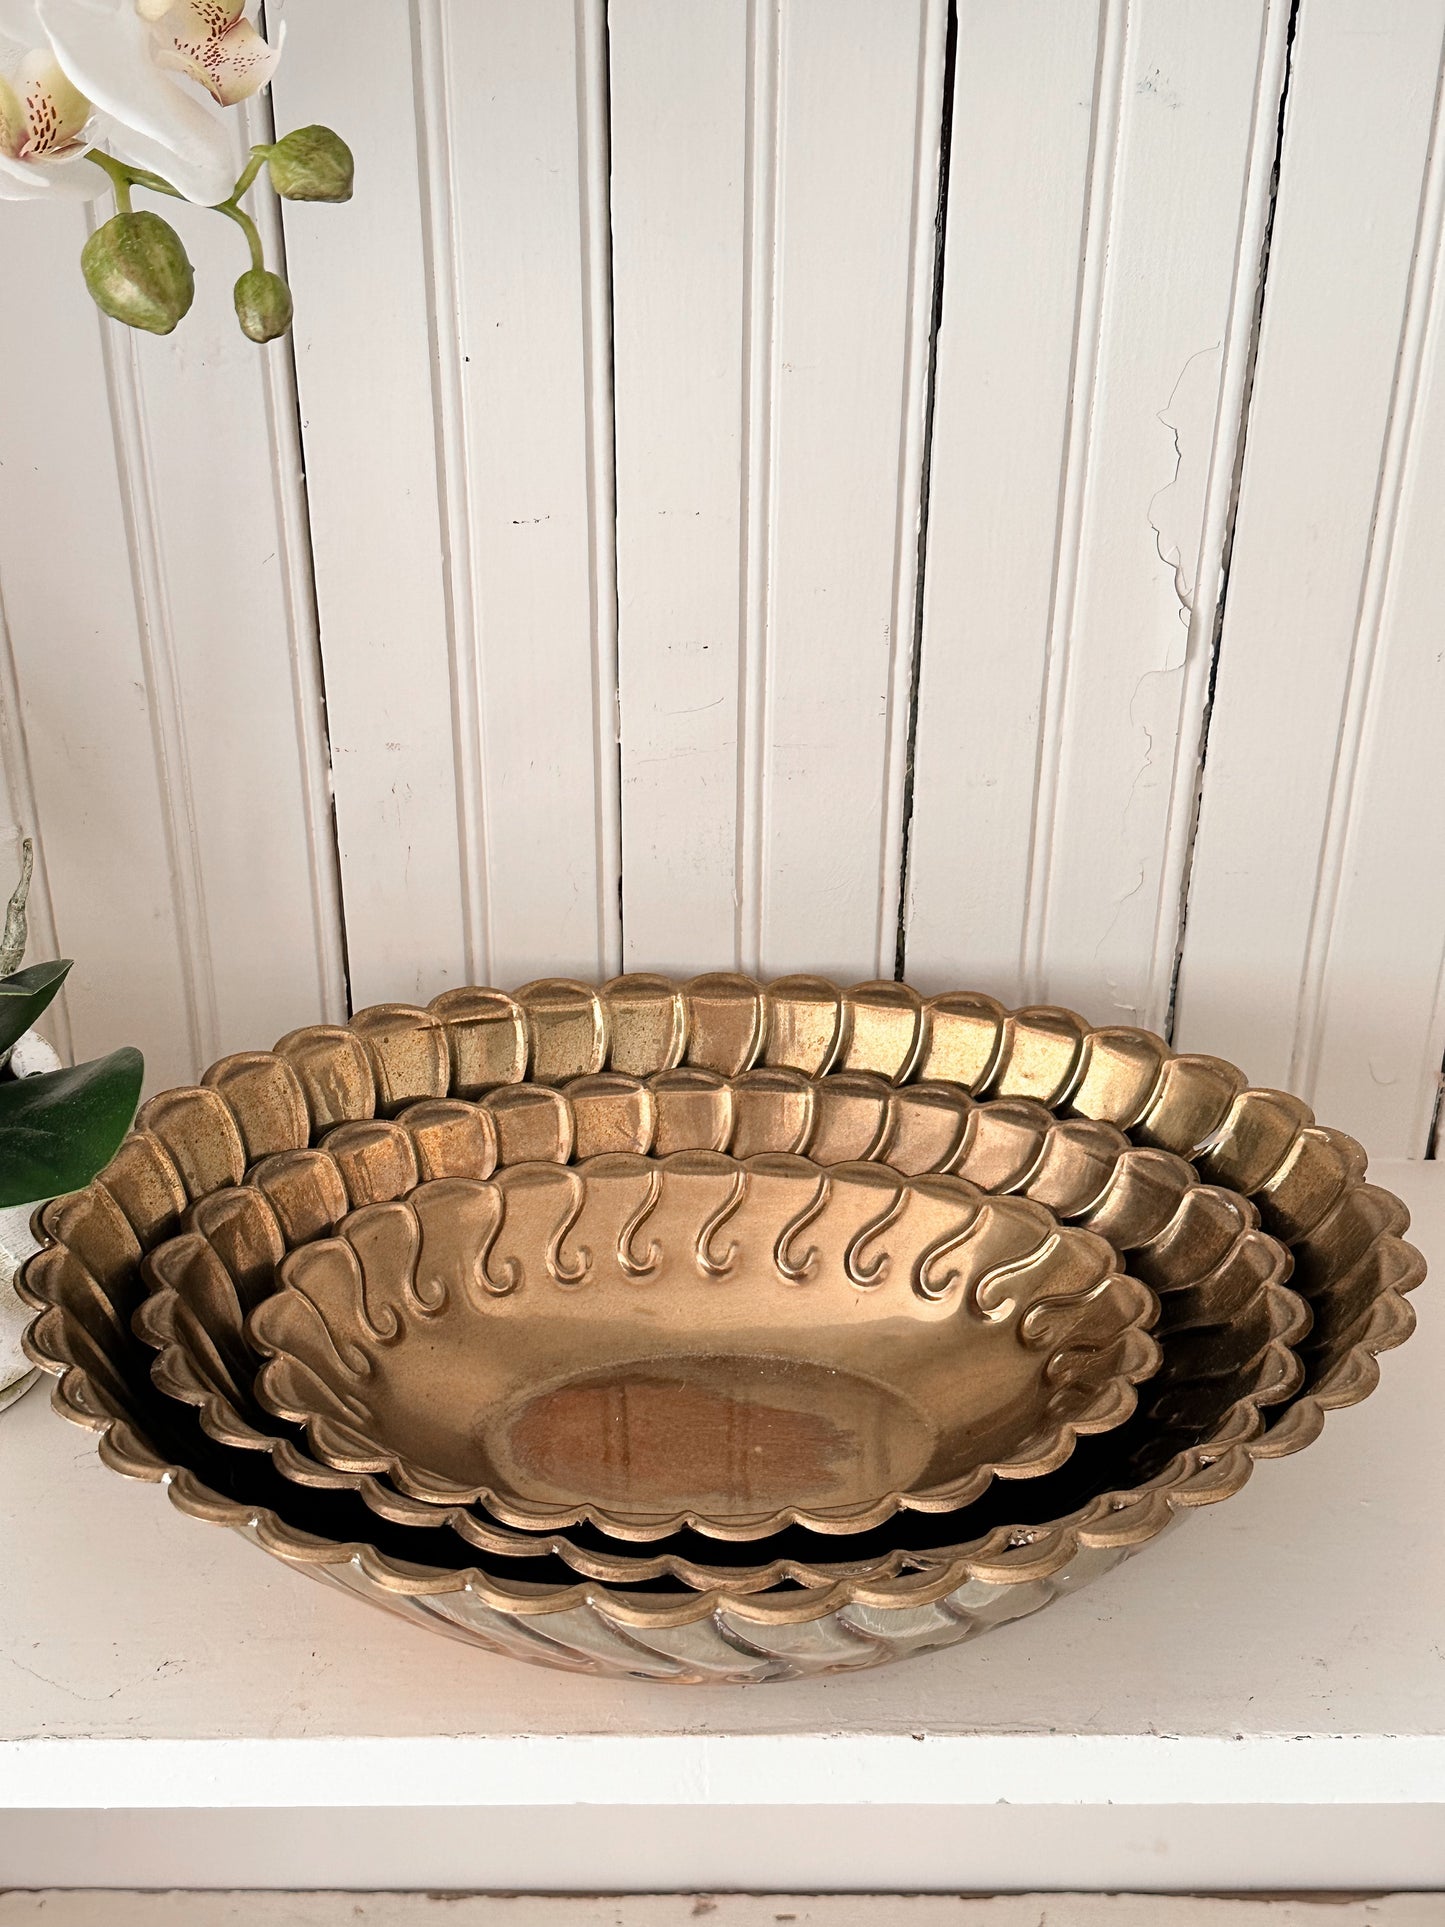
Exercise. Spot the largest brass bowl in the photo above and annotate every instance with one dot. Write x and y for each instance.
(1308, 1184)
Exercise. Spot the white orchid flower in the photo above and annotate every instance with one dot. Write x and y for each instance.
(123, 75)
(42, 119)
(214, 43)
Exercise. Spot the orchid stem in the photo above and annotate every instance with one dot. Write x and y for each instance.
(120, 177)
(233, 210)
(123, 178)
(154, 183)
(259, 157)
(248, 228)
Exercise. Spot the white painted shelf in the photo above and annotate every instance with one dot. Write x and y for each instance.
(116, 1909)
(1259, 1701)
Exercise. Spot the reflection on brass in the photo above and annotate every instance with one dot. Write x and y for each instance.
(695, 1341)
(1306, 1183)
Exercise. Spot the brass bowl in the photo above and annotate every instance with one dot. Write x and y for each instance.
(1219, 1278)
(720, 1634)
(731, 1345)
(1350, 1262)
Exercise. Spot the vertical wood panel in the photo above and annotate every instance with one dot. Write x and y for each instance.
(213, 500)
(859, 114)
(775, 183)
(757, 525)
(361, 283)
(156, 633)
(684, 205)
(1312, 549)
(17, 793)
(914, 438)
(1058, 743)
(594, 147)
(463, 515)
(1024, 118)
(154, 745)
(70, 609)
(1374, 1053)
(1201, 94)
(298, 591)
(519, 210)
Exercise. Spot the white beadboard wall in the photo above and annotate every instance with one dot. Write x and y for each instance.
(940, 486)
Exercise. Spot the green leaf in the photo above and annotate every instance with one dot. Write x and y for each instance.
(57, 1130)
(25, 995)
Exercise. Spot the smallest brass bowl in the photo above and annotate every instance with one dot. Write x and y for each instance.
(697, 1340)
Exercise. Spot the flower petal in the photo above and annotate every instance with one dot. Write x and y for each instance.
(13, 129)
(108, 51)
(215, 44)
(139, 150)
(55, 111)
(20, 21)
(72, 178)
(22, 180)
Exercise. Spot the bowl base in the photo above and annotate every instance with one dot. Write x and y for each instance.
(727, 1436)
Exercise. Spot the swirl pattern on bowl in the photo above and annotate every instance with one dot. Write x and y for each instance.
(732, 1345)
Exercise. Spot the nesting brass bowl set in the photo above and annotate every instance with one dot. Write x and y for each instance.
(714, 1331)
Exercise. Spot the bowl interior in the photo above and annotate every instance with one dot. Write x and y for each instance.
(1226, 1326)
(736, 1344)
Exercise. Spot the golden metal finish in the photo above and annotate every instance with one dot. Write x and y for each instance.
(1306, 1182)
(653, 1343)
(1217, 1276)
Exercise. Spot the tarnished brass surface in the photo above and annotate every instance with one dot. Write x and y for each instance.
(737, 1346)
(1217, 1275)
(1307, 1183)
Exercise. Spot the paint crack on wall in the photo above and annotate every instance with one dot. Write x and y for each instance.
(1176, 511)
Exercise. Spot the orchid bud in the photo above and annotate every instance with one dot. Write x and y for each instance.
(312, 164)
(263, 304)
(137, 272)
